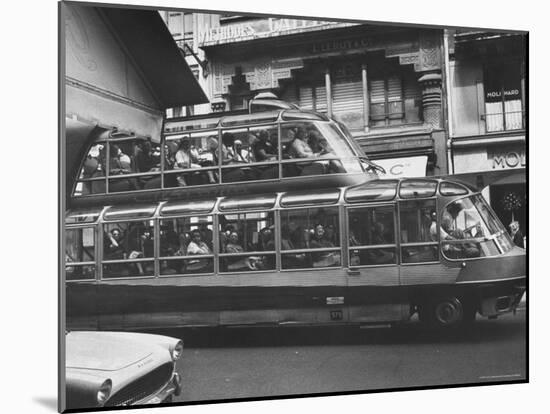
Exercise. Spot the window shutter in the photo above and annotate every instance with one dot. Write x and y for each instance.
(306, 97)
(377, 100)
(321, 99)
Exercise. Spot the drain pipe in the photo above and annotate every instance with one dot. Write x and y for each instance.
(450, 131)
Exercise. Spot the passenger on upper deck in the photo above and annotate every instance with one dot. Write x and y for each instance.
(114, 245)
(299, 147)
(186, 157)
(239, 153)
(262, 149)
(233, 245)
(145, 160)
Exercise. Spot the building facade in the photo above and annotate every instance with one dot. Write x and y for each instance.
(383, 82)
(487, 129)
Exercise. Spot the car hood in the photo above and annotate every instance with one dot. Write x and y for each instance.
(104, 351)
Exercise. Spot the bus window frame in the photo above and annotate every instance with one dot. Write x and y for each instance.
(340, 248)
(101, 261)
(397, 261)
(220, 255)
(94, 226)
(437, 243)
(492, 238)
(189, 134)
(215, 252)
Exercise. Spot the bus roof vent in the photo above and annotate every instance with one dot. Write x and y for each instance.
(382, 190)
(304, 198)
(187, 207)
(417, 188)
(265, 201)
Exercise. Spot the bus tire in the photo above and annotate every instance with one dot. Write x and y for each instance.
(448, 312)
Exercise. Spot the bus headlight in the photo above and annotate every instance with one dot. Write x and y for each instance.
(104, 392)
(177, 351)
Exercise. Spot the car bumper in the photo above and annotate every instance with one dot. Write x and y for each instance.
(172, 387)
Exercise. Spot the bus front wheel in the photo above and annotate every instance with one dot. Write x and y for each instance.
(445, 312)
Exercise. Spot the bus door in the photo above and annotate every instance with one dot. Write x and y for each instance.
(373, 271)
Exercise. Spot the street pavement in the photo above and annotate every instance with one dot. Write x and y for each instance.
(221, 364)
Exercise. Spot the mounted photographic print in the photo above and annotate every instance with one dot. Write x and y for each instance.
(257, 206)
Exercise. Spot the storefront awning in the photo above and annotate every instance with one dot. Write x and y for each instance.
(152, 47)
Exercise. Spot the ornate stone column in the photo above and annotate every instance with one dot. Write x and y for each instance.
(431, 99)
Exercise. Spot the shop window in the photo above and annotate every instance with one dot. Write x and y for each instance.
(394, 99)
(418, 231)
(128, 249)
(372, 236)
(186, 245)
(247, 242)
(79, 254)
(503, 106)
(310, 238)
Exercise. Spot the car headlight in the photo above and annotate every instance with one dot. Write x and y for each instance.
(177, 351)
(104, 392)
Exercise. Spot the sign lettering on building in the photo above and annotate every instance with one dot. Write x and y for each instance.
(509, 159)
(261, 29)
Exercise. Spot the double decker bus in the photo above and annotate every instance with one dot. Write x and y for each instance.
(273, 218)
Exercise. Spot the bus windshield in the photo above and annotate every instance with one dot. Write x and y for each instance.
(470, 229)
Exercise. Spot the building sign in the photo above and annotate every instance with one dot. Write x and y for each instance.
(404, 167)
(263, 28)
(492, 158)
(508, 159)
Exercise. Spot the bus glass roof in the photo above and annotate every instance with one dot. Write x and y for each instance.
(256, 118)
(447, 188)
(416, 188)
(187, 207)
(84, 215)
(303, 198)
(295, 115)
(129, 212)
(382, 190)
(265, 201)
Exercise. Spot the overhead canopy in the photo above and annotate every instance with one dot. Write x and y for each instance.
(155, 52)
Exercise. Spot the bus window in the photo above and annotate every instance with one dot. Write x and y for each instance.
(469, 230)
(418, 231)
(250, 154)
(79, 253)
(133, 156)
(91, 179)
(247, 242)
(191, 159)
(312, 238)
(372, 236)
(128, 249)
(316, 149)
(186, 245)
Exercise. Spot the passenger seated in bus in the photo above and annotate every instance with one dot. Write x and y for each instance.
(198, 247)
(188, 157)
(145, 160)
(262, 149)
(119, 165)
(290, 260)
(379, 237)
(114, 245)
(319, 241)
(299, 147)
(239, 153)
